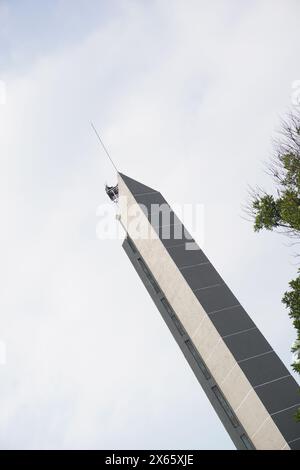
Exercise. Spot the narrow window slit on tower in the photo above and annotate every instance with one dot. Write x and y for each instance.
(149, 275)
(178, 325)
(225, 405)
(167, 307)
(198, 359)
(248, 444)
(131, 244)
(173, 316)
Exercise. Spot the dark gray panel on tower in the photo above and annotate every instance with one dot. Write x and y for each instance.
(279, 395)
(216, 298)
(184, 258)
(289, 426)
(201, 276)
(176, 237)
(135, 186)
(262, 369)
(157, 210)
(231, 320)
(247, 344)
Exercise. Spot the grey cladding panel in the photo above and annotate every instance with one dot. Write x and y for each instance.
(231, 320)
(164, 220)
(149, 199)
(288, 426)
(178, 236)
(157, 210)
(216, 298)
(279, 395)
(295, 445)
(262, 369)
(135, 187)
(202, 275)
(248, 344)
(183, 257)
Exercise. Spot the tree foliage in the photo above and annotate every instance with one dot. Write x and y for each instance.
(281, 211)
(291, 299)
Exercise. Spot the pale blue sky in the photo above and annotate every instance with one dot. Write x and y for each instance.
(187, 95)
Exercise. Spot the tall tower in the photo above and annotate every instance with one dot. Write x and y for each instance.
(249, 387)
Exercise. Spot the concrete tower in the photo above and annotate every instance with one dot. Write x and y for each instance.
(249, 387)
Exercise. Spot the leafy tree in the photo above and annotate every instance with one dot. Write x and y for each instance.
(291, 299)
(281, 211)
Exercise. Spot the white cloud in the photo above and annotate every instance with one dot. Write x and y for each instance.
(187, 97)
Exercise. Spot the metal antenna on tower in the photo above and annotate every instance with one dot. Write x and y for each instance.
(111, 191)
(103, 146)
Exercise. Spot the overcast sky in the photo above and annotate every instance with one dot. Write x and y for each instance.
(187, 95)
